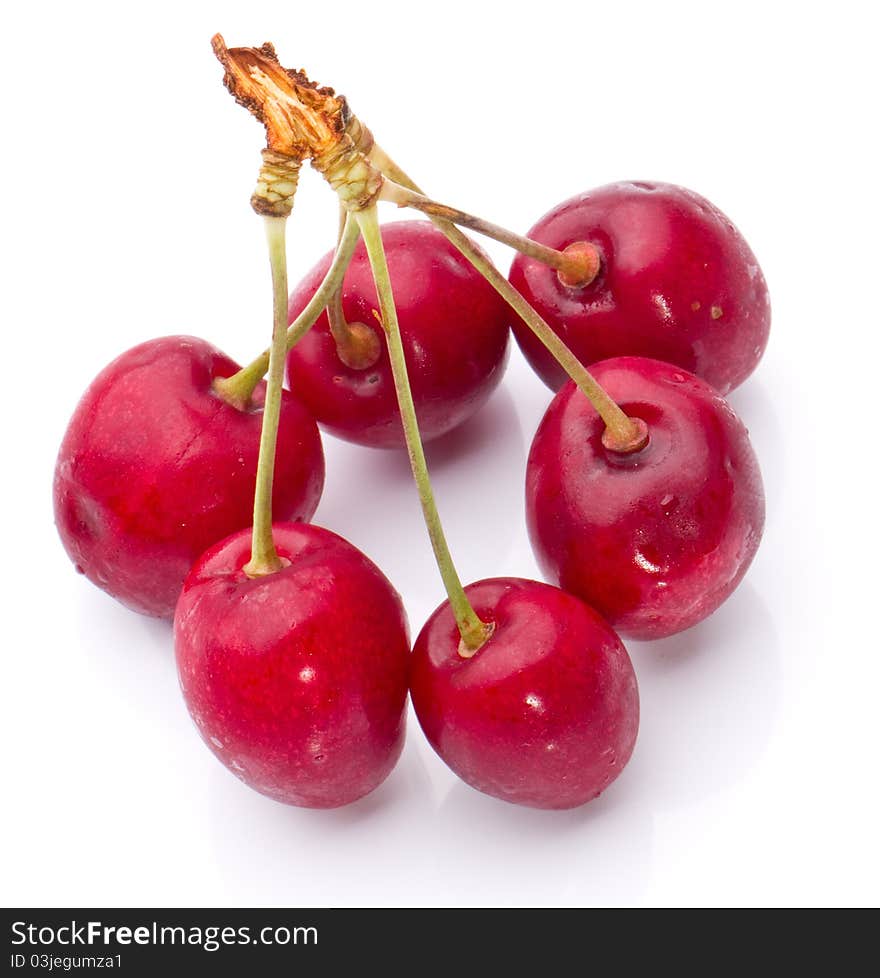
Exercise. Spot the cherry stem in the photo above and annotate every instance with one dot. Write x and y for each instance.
(238, 389)
(264, 557)
(577, 266)
(622, 433)
(338, 326)
(473, 630)
(357, 346)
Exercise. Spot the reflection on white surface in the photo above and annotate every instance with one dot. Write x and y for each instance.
(710, 698)
(435, 841)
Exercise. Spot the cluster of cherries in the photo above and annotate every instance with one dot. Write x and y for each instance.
(644, 496)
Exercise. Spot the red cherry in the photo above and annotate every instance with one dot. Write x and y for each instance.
(455, 337)
(296, 680)
(677, 282)
(545, 713)
(656, 539)
(154, 468)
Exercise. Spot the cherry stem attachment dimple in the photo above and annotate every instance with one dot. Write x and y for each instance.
(576, 265)
(264, 557)
(622, 433)
(238, 389)
(474, 631)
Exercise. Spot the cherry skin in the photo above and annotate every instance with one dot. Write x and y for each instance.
(545, 713)
(656, 539)
(154, 468)
(677, 282)
(297, 681)
(455, 331)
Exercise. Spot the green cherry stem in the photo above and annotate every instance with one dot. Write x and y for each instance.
(264, 557)
(473, 630)
(238, 388)
(335, 315)
(622, 433)
(383, 162)
(577, 265)
(357, 346)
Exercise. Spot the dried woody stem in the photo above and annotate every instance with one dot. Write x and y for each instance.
(301, 120)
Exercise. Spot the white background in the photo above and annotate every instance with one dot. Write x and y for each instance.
(126, 173)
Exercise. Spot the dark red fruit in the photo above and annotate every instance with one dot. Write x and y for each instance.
(545, 713)
(654, 540)
(296, 680)
(154, 468)
(455, 337)
(677, 282)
